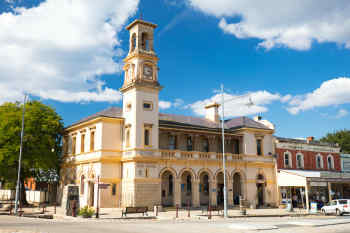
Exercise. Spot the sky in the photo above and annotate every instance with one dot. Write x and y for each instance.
(290, 58)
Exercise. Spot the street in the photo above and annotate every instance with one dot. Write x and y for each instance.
(317, 224)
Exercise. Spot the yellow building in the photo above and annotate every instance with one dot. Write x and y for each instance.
(150, 158)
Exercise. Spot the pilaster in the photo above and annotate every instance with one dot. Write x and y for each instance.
(213, 194)
(195, 192)
(177, 192)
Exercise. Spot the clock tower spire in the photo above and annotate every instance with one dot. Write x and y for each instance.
(141, 63)
(141, 88)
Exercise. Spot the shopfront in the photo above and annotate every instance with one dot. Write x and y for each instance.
(301, 188)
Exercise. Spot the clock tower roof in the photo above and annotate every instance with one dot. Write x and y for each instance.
(140, 21)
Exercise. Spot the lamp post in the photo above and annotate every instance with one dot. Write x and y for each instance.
(20, 157)
(223, 149)
(249, 104)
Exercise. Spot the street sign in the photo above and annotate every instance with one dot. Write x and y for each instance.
(103, 186)
(313, 207)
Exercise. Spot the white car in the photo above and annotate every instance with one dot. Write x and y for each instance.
(338, 207)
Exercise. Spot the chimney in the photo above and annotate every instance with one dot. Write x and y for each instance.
(212, 112)
(310, 139)
(267, 123)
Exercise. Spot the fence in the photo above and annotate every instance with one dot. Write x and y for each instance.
(32, 196)
(6, 195)
(37, 196)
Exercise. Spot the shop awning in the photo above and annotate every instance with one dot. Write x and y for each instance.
(290, 178)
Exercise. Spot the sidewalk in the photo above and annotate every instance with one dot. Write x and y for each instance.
(110, 213)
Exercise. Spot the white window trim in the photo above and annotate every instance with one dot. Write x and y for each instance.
(289, 159)
(302, 160)
(332, 158)
(149, 128)
(319, 155)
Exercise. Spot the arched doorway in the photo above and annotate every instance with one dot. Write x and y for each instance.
(237, 188)
(220, 188)
(186, 188)
(204, 189)
(260, 188)
(91, 197)
(167, 189)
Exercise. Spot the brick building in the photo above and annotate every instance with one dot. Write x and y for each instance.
(307, 155)
(309, 171)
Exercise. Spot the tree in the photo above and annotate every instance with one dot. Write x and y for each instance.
(342, 137)
(43, 130)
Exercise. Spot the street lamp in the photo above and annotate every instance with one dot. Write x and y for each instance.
(249, 104)
(20, 156)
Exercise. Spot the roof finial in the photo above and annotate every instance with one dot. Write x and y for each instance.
(141, 12)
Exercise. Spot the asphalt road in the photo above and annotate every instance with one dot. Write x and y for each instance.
(285, 224)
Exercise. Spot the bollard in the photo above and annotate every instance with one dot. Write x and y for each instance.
(157, 211)
(177, 210)
(188, 206)
(10, 208)
(209, 212)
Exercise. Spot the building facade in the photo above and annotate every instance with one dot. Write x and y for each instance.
(309, 171)
(150, 158)
(345, 162)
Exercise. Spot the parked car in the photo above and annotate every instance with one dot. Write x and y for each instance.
(337, 207)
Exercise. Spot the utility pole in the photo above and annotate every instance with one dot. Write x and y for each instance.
(20, 157)
(223, 150)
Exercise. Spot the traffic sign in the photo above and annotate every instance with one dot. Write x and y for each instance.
(103, 186)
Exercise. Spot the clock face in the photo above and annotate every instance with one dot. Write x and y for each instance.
(148, 71)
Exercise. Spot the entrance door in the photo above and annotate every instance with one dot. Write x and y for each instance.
(220, 189)
(260, 190)
(220, 194)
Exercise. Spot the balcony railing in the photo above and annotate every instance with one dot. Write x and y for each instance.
(196, 155)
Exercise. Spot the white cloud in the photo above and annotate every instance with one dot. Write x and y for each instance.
(331, 92)
(59, 49)
(342, 113)
(236, 106)
(167, 104)
(164, 104)
(178, 103)
(286, 98)
(291, 23)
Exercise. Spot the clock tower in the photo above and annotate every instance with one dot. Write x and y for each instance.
(141, 88)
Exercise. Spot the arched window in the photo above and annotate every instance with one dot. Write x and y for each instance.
(300, 160)
(287, 157)
(147, 137)
(330, 162)
(133, 42)
(145, 41)
(82, 184)
(319, 162)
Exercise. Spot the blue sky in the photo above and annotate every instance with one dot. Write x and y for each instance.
(292, 59)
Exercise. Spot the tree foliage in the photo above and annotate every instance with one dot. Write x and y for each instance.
(43, 130)
(342, 137)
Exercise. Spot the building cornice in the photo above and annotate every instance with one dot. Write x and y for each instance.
(98, 119)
